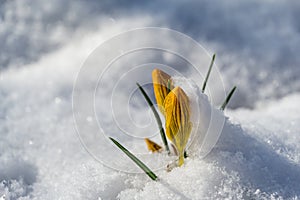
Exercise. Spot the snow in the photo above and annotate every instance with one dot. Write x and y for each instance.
(44, 45)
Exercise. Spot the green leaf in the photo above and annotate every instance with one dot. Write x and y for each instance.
(135, 160)
(169, 86)
(185, 155)
(228, 98)
(208, 73)
(158, 120)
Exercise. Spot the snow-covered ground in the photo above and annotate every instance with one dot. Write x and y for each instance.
(43, 46)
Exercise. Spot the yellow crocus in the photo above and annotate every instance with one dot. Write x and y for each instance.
(178, 125)
(162, 85)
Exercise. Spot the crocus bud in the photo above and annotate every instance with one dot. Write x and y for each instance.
(162, 85)
(178, 125)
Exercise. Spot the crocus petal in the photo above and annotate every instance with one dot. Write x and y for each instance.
(178, 125)
(152, 146)
(162, 85)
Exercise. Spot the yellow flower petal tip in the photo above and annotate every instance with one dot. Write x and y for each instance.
(152, 146)
(178, 125)
(162, 84)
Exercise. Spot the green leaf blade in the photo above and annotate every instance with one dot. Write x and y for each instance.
(228, 98)
(158, 120)
(208, 73)
(137, 161)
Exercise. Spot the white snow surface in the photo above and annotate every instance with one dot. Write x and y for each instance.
(43, 46)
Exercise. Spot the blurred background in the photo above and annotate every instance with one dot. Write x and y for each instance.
(256, 42)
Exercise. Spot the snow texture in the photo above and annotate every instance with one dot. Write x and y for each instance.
(44, 44)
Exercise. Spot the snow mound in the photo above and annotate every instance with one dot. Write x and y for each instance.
(256, 157)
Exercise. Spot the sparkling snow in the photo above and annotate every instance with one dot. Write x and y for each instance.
(43, 46)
